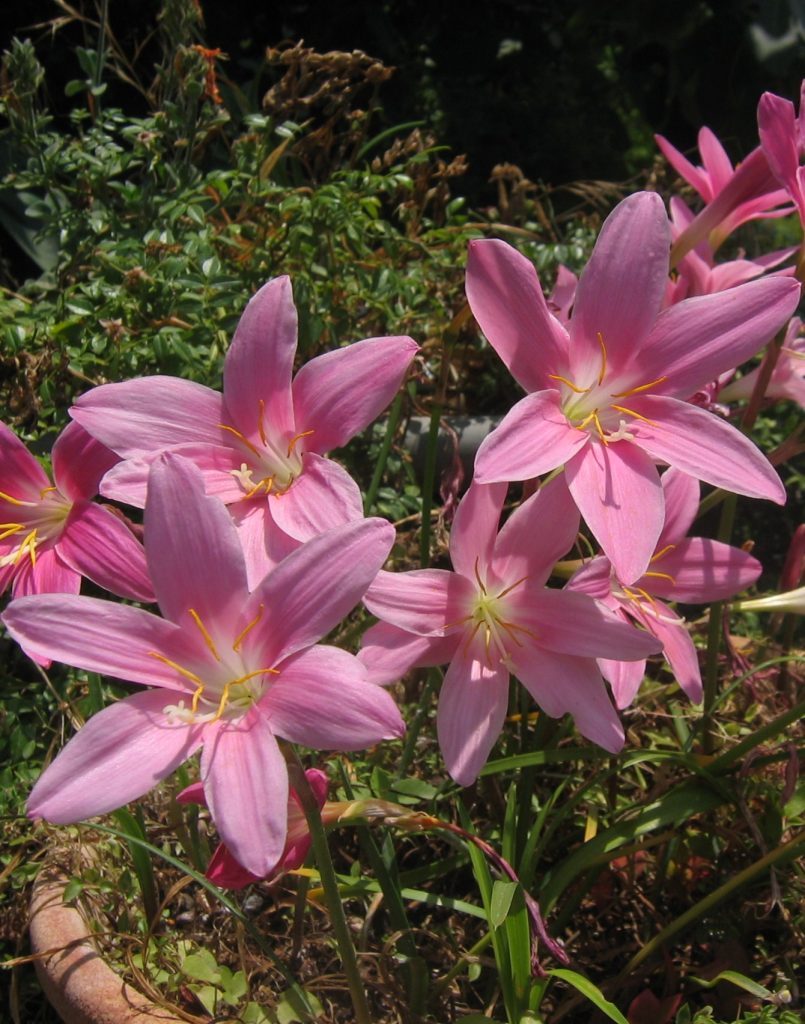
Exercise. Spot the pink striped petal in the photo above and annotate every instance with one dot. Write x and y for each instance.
(388, 652)
(322, 698)
(624, 677)
(422, 601)
(594, 578)
(50, 575)
(246, 787)
(194, 555)
(97, 544)
(506, 299)
(338, 394)
(622, 287)
(475, 526)
(128, 480)
(678, 648)
(21, 476)
(264, 544)
(314, 588)
(100, 636)
(696, 340)
(149, 414)
(259, 363)
(536, 535)
(80, 462)
(472, 709)
(119, 755)
(681, 493)
(704, 446)
(533, 438)
(693, 175)
(323, 497)
(561, 683)
(617, 489)
(702, 570)
(715, 159)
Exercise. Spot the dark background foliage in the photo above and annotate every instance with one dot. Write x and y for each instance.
(566, 90)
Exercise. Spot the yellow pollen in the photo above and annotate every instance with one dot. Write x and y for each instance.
(570, 384)
(16, 501)
(194, 615)
(637, 416)
(663, 551)
(242, 635)
(9, 529)
(297, 437)
(27, 545)
(661, 576)
(260, 428)
(241, 437)
(182, 671)
(602, 374)
(196, 697)
(46, 490)
(641, 387)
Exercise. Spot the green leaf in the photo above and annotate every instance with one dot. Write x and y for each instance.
(500, 904)
(752, 987)
(202, 966)
(290, 1011)
(589, 991)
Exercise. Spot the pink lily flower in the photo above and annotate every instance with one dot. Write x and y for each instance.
(266, 435)
(492, 616)
(733, 195)
(229, 669)
(227, 873)
(688, 569)
(787, 379)
(608, 396)
(53, 533)
(699, 274)
(782, 138)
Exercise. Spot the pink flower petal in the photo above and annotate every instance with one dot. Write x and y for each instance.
(246, 786)
(149, 414)
(100, 636)
(678, 648)
(422, 601)
(128, 480)
(119, 754)
(681, 493)
(617, 489)
(702, 445)
(625, 678)
(264, 544)
(533, 438)
(388, 652)
(506, 299)
(99, 545)
(562, 683)
(594, 578)
(50, 575)
(702, 570)
(259, 363)
(622, 287)
(322, 698)
(323, 497)
(21, 476)
(475, 526)
(338, 394)
(80, 462)
(472, 709)
(194, 555)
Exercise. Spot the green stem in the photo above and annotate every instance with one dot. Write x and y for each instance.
(329, 882)
(427, 485)
(412, 732)
(383, 454)
(714, 633)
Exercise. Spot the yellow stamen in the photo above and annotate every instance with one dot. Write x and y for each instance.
(260, 428)
(637, 416)
(570, 384)
(478, 578)
(661, 576)
(297, 437)
(599, 428)
(242, 438)
(234, 682)
(182, 671)
(16, 501)
(602, 374)
(642, 387)
(45, 490)
(508, 590)
(645, 594)
(196, 698)
(9, 529)
(267, 482)
(663, 551)
(207, 638)
(242, 635)
(28, 545)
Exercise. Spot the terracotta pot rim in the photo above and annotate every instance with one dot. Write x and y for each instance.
(78, 983)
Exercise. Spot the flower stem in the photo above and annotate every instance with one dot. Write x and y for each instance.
(329, 882)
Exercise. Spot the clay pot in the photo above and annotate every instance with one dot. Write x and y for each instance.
(78, 983)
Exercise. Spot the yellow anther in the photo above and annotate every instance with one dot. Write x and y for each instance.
(509, 589)
(641, 387)
(569, 383)
(179, 668)
(242, 635)
(194, 615)
(9, 529)
(16, 501)
(599, 428)
(478, 578)
(236, 682)
(637, 416)
(260, 427)
(603, 372)
(196, 698)
(46, 490)
(27, 545)
(660, 576)
(663, 551)
(241, 437)
(265, 484)
(297, 437)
